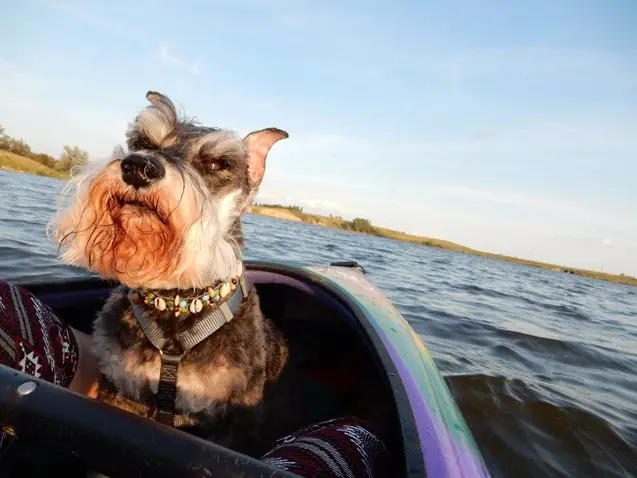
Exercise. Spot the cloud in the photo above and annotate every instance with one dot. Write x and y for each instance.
(318, 205)
(83, 14)
(540, 205)
(485, 134)
(15, 74)
(318, 20)
(558, 136)
(167, 58)
(518, 199)
(321, 204)
(547, 63)
(306, 15)
(566, 135)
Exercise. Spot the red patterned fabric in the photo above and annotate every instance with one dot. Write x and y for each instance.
(336, 448)
(33, 340)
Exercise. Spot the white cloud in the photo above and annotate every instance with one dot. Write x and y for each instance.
(79, 11)
(520, 199)
(561, 136)
(321, 205)
(545, 63)
(13, 73)
(324, 206)
(306, 15)
(166, 57)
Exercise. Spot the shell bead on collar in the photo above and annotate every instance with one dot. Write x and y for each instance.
(180, 305)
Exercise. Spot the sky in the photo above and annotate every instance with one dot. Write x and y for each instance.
(505, 126)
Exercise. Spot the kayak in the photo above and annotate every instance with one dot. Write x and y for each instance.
(350, 341)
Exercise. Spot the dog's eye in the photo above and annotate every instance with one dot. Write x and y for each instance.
(217, 164)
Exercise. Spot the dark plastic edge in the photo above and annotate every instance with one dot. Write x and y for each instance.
(112, 441)
(350, 264)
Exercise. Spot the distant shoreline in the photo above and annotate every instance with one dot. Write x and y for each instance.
(297, 215)
(19, 164)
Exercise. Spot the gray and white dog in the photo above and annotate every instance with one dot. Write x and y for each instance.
(163, 220)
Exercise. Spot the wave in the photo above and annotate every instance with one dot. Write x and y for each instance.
(523, 434)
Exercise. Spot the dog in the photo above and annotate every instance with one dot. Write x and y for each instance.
(164, 220)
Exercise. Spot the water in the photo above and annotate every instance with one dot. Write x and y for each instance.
(543, 365)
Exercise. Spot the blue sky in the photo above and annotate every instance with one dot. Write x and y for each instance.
(506, 126)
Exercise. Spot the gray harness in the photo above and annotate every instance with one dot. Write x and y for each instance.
(211, 320)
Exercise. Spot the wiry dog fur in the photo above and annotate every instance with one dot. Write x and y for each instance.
(179, 233)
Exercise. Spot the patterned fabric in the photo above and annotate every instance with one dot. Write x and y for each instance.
(336, 448)
(33, 340)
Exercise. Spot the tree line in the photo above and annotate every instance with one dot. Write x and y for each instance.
(360, 224)
(71, 157)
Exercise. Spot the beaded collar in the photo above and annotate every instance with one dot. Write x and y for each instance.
(195, 304)
(173, 347)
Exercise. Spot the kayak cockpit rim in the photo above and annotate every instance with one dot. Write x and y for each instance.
(414, 463)
(412, 447)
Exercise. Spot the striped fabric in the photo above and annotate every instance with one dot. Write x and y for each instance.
(343, 448)
(33, 340)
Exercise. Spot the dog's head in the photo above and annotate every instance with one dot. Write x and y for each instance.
(167, 213)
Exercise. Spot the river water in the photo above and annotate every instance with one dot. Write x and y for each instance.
(543, 365)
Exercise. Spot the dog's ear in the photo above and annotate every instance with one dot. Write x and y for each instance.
(163, 104)
(159, 100)
(154, 124)
(258, 144)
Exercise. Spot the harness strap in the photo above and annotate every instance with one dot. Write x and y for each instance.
(211, 320)
(167, 388)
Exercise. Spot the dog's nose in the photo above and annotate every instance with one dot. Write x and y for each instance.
(139, 170)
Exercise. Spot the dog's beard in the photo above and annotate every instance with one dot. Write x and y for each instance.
(173, 235)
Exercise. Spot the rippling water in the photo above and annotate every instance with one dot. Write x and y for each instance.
(543, 365)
